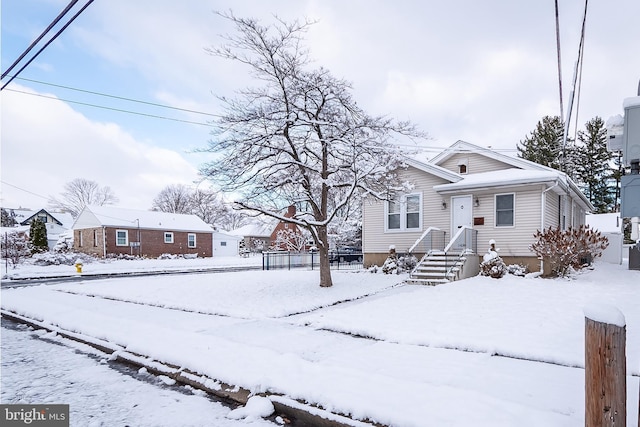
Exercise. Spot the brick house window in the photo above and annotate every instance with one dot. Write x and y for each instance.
(122, 238)
(95, 238)
(79, 238)
(168, 237)
(191, 240)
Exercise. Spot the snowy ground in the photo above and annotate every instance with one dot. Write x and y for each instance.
(38, 367)
(480, 352)
(26, 269)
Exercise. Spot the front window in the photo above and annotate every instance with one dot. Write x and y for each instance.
(191, 240)
(404, 213)
(393, 215)
(168, 237)
(122, 238)
(505, 210)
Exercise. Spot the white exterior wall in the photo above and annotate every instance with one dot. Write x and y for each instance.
(376, 240)
(225, 244)
(512, 241)
(476, 163)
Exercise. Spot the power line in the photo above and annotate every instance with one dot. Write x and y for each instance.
(26, 191)
(119, 97)
(55, 36)
(111, 108)
(37, 40)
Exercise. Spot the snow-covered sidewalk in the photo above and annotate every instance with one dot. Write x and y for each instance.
(38, 367)
(436, 355)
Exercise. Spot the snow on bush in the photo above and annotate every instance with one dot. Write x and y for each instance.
(15, 247)
(60, 258)
(568, 250)
(517, 270)
(493, 267)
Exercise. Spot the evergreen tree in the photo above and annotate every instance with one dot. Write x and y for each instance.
(593, 169)
(8, 218)
(38, 236)
(544, 145)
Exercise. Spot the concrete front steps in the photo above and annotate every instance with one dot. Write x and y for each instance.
(438, 267)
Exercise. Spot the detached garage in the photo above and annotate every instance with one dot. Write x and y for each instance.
(225, 244)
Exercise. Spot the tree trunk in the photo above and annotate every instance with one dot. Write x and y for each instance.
(325, 266)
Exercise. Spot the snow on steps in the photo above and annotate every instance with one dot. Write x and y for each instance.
(436, 268)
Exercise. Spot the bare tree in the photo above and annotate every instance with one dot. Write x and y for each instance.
(82, 192)
(233, 219)
(298, 138)
(173, 198)
(209, 206)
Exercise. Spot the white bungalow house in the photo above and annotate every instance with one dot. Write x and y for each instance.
(56, 223)
(461, 200)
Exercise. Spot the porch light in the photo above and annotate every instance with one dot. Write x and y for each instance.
(476, 202)
(444, 205)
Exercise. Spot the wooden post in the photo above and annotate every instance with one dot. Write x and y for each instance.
(605, 368)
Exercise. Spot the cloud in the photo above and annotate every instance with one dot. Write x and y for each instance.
(46, 143)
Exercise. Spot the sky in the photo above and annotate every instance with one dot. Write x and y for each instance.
(484, 72)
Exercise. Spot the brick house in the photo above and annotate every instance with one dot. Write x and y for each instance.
(271, 235)
(105, 231)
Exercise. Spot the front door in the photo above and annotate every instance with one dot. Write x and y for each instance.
(461, 215)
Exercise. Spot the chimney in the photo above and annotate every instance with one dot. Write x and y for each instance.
(291, 211)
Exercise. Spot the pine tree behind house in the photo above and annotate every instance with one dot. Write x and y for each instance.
(594, 172)
(544, 145)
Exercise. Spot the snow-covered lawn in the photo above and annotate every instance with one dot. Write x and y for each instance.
(26, 269)
(480, 352)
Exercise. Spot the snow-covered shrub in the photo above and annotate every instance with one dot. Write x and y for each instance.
(60, 258)
(390, 265)
(517, 270)
(15, 247)
(406, 263)
(167, 256)
(493, 267)
(568, 250)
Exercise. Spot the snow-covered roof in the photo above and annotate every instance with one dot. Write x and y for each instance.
(501, 178)
(466, 147)
(110, 216)
(605, 223)
(633, 101)
(434, 170)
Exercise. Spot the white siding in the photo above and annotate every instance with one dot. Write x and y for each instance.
(476, 163)
(376, 240)
(512, 241)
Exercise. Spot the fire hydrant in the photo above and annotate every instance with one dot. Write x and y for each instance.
(78, 266)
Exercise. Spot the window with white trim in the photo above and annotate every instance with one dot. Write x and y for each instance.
(404, 213)
(122, 238)
(191, 240)
(168, 237)
(505, 210)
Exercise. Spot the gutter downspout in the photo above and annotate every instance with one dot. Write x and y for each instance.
(543, 198)
(104, 242)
